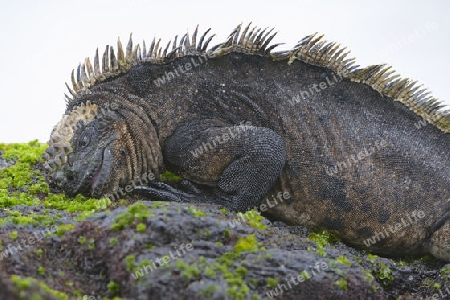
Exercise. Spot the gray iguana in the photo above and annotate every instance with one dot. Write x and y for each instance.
(346, 147)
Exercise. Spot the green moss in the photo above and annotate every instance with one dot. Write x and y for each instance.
(248, 243)
(62, 229)
(271, 282)
(254, 282)
(19, 183)
(136, 213)
(169, 176)
(113, 241)
(445, 271)
(384, 273)
(322, 238)
(197, 213)
(113, 287)
(227, 233)
(238, 289)
(344, 260)
(41, 271)
(158, 204)
(305, 275)
(320, 251)
(29, 153)
(208, 291)
(130, 260)
(91, 244)
(341, 283)
(13, 235)
(209, 271)
(142, 264)
(77, 204)
(188, 271)
(230, 266)
(20, 219)
(39, 252)
(141, 227)
(253, 218)
(241, 271)
(84, 215)
(22, 284)
(368, 276)
(224, 211)
(401, 263)
(204, 233)
(372, 258)
(82, 240)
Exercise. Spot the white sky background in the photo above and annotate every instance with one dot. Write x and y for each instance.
(42, 41)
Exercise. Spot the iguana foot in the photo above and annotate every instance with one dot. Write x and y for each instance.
(184, 191)
(236, 171)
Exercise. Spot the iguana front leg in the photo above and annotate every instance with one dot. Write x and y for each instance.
(233, 166)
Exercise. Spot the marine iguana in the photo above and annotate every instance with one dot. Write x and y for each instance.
(242, 123)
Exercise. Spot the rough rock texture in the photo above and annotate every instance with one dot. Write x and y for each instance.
(227, 260)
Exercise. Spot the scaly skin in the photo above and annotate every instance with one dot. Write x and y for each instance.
(340, 142)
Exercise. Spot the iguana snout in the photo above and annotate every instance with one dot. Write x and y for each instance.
(94, 151)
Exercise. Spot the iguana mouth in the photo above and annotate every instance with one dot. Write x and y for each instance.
(102, 173)
(94, 177)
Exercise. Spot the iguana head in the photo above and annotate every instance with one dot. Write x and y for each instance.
(100, 145)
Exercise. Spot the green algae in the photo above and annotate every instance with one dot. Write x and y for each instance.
(196, 212)
(13, 235)
(130, 261)
(229, 266)
(248, 243)
(169, 176)
(341, 283)
(253, 218)
(28, 153)
(41, 271)
(323, 239)
(209, 291)
(63, 228)
(91, 244)
(114, 287)
(21, 184)
(384, 273)
(82, 240)
(271, 282)
(305, 275)
(188, 271)
(136, 213)
(158, 204)
(224, 211)
(141, 227)
(23, 284)
(343, 259)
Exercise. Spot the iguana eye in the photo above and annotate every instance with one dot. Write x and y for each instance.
(84, 140)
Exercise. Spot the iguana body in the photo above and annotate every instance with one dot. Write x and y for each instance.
(243, 123)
